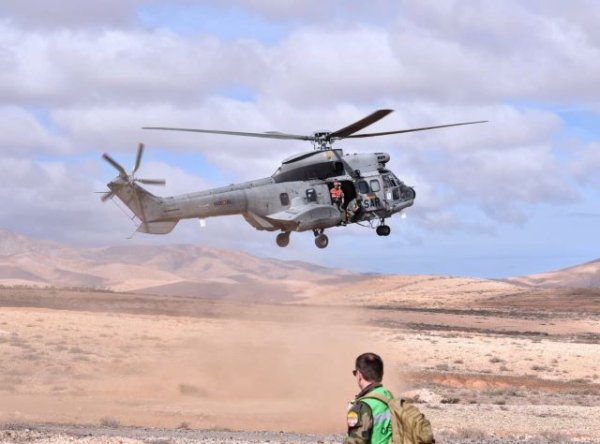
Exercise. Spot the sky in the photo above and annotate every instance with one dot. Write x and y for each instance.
(514, 196)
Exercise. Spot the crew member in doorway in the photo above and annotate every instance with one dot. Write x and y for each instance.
(352, 210)
(337, 195)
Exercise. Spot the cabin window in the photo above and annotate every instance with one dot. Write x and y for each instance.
(311, 195)
(375, 185)
(363, 187)
(285, 199)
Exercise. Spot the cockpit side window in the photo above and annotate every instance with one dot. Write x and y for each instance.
(363, 187)
(375, 185)
(311, 195)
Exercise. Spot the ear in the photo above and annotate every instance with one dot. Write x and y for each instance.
(360, 375)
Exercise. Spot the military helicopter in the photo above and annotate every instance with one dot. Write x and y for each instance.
(297, 197)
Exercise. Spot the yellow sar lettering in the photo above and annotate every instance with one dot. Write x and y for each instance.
(371, 203)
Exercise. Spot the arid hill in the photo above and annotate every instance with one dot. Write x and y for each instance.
(184, 270)
(579, 276)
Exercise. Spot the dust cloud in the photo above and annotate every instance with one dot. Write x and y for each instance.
(235, 366)
(269, 374)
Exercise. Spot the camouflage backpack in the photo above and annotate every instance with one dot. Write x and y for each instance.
(409, 425)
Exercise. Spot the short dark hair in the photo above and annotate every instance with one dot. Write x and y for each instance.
(370, 366)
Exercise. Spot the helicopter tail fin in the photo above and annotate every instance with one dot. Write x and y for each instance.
(157, 227)
(145, 206)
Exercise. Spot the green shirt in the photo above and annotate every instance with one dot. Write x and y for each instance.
(369, 420)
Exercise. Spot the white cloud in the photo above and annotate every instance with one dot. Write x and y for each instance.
(457, 52)
(22, 134)
(498, 50)
(50, 199)
(69, 13)
(504, 185)
(67, 67)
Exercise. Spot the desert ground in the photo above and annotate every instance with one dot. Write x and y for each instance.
(512, 366)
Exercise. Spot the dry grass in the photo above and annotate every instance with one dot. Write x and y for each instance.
(108, 421)
(470, 433)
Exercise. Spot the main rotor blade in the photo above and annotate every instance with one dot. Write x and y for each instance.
(360, 124)
(357, 136)
(115, 164)
(152, 181)
(269, 135)
(138, 158)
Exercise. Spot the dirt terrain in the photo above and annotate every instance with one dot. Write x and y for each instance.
(509, 367)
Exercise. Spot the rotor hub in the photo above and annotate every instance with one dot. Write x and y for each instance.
(321, 140)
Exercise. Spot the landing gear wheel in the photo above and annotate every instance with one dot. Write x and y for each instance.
(283, 239)
(321, 241)
(383, 230)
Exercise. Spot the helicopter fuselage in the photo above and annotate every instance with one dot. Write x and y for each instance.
(295, 198)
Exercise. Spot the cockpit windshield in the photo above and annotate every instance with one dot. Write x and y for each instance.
(390, 180)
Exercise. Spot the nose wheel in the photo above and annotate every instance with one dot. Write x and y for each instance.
(383, 230)
(283, 239)
(321, 239)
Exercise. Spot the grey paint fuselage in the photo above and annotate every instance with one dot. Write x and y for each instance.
(258, 197)
(293, 199)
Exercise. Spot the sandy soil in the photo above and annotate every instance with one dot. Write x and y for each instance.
(76, 357)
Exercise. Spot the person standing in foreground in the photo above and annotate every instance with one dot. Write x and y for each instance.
(376, 417)
(369, 420)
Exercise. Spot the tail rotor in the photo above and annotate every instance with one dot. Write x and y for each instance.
(123, 178)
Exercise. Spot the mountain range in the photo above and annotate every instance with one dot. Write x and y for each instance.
(191, 270)
(174, 269)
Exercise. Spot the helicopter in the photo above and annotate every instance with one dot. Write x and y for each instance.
(297, 197)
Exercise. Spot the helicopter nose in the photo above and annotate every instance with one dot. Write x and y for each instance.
(408, 193)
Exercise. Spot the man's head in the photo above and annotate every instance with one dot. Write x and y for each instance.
(368, 368)
(337, 184)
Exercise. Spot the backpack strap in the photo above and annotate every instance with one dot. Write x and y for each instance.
(377, 396)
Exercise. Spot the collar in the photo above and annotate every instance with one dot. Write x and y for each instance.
(368, 389)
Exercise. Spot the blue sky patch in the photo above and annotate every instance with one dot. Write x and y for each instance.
(227, 22)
